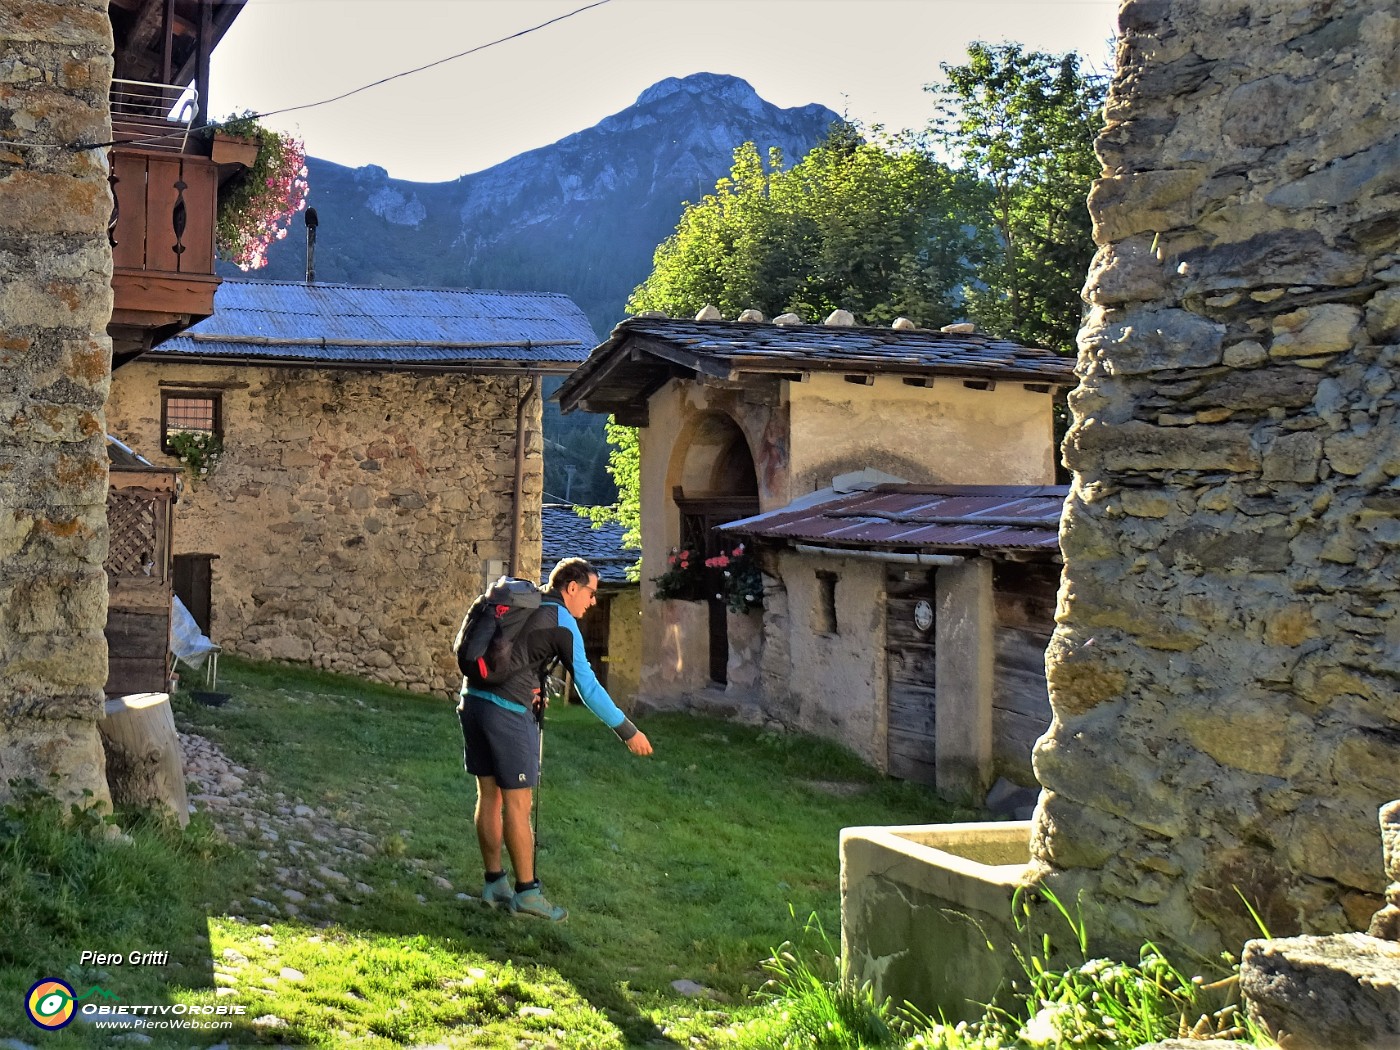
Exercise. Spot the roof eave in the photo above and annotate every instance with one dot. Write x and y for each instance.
(485, 367)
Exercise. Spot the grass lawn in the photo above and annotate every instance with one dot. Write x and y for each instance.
(689, 865)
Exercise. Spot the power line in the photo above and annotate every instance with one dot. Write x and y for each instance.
(325, 101)
(430, 65)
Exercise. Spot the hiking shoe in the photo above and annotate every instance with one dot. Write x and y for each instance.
(498, 894)
(533, 902)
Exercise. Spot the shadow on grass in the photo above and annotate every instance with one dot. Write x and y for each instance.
(688, 865)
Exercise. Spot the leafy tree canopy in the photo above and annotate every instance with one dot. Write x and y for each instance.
(870, 227)
(625, 466)
(1024, 122)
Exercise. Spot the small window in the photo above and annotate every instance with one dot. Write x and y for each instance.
(189, 412)
(826, 604)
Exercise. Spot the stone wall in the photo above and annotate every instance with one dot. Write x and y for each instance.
(55, 301)
(352, 512)
(1225, 668)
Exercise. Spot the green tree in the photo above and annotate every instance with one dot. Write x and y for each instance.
(1024, 122)
(625, 466)
(870, 227)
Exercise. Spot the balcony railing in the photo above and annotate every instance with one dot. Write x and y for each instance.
(153, 116)
(162, 211)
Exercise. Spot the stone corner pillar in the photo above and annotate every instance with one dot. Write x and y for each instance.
(55, 304)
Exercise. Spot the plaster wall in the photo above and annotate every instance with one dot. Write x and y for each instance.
(824, 682)
(352, 512)
(55, 359)
(947, 433)
(1232, 538)
(675, 634)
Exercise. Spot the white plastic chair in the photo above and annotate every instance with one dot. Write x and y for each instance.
(190, 646)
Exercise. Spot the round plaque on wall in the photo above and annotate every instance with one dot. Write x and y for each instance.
(923, 615)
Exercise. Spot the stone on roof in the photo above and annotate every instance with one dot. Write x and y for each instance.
(642, 353)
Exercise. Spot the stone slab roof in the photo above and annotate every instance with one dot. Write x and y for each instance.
(421, 329)
(919, 518)
(566, 535)
(642, 353)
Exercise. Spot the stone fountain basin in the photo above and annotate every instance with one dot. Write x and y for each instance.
(919, 904)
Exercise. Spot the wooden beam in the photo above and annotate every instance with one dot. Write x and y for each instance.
(204, 45)
(693, 362)
(134, 56)
(144, 292)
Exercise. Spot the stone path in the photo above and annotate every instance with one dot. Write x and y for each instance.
(312, 860)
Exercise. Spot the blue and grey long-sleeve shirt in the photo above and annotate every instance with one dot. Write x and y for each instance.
(551, 634)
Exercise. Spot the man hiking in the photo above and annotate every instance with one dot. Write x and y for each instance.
(502, 735)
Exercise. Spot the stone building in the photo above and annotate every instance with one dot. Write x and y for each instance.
(1225, 669)
(744, 418)
(381, 458)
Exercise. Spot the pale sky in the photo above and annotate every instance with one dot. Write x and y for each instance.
(866, 59)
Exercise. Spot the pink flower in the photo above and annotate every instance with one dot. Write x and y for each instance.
(250, 221)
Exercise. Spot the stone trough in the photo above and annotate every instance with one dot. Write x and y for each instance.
(919, 904)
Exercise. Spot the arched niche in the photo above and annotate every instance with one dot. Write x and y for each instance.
(713, 481)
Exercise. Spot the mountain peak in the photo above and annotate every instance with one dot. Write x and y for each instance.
(734, 90)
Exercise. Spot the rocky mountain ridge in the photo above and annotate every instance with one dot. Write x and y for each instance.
(582, 215)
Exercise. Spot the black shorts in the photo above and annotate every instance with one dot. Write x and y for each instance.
(501, 744)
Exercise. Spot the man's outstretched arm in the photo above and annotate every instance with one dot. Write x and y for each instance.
(592, 693)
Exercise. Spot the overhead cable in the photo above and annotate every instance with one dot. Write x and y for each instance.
(323, 102)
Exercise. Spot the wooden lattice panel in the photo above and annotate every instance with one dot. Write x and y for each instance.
(132, 521)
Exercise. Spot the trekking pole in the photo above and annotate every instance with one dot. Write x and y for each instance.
(539, 784)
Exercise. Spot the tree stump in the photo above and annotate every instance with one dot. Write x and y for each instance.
(145, 767)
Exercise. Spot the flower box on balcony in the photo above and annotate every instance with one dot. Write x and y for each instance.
(231, 149)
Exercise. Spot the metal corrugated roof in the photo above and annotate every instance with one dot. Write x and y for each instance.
(643, 352)
(921, 517)
(287, 322)
(121, 456)
(566, 535)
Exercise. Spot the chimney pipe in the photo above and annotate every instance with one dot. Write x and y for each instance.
(311, 223)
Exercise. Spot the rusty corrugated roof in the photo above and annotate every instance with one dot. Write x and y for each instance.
(920, 517)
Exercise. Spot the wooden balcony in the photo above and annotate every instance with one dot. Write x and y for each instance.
(162, 236)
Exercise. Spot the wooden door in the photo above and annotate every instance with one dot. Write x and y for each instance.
(909, 646)
(194, 586)
(594, 628)
(699, 519)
